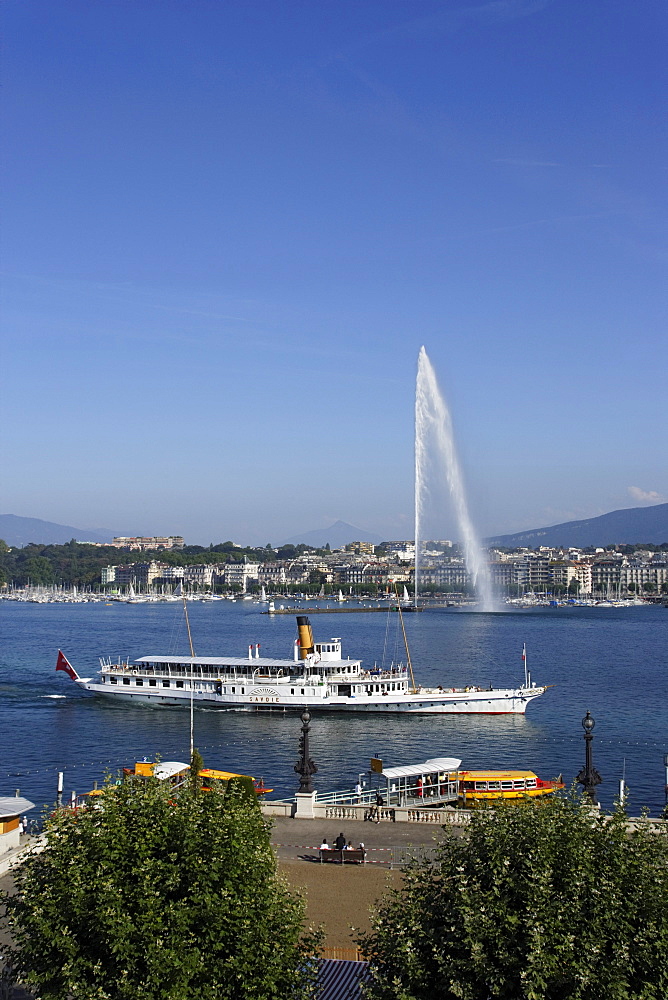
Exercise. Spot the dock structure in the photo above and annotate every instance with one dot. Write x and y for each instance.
(423, 794)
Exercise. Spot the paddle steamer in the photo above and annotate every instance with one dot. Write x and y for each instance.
(317, 677)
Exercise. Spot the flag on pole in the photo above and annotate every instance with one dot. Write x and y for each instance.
(64, 664)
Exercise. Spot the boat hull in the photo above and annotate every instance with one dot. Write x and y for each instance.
(498, 702)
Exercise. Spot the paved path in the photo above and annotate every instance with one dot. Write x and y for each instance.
(385, 843)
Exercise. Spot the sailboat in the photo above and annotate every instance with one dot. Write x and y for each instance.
(406, 603)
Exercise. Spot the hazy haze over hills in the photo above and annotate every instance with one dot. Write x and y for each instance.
(624, 527)
(20, 531)
(337, 534)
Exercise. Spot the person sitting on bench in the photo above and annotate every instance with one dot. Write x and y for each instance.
(340, 842)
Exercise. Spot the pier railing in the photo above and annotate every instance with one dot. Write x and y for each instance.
(370, 812)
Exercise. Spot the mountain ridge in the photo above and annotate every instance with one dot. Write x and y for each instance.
(18, 531)
(627, 526)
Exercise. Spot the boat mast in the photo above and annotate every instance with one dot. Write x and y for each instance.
(192, 682)
(524, 660)
(403, 629)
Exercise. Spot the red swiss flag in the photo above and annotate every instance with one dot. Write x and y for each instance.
(64, 664)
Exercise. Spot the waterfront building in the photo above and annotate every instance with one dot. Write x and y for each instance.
(172, 574)
(199, 575)
(272, 575)
(643, 575)
(239, 574)
(606, 573)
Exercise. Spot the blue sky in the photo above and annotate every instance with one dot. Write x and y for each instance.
(230, 226)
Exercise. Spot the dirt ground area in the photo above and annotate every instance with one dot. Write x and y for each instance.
(339, 896)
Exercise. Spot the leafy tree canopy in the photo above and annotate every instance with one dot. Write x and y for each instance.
(156, 898)
(545, 901)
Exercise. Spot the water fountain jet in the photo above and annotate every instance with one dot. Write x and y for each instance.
(434, 440)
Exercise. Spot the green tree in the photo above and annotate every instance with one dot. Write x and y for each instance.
(152, 897)
(542, 901)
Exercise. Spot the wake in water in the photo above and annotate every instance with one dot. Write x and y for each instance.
(435, 445)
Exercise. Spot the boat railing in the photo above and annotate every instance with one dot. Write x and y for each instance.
(397, 673)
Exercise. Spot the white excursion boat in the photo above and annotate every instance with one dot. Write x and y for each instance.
(317, 677)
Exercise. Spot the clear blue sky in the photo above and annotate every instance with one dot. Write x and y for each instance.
(229, 225)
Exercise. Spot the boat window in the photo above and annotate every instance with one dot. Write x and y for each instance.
(302, 690)
(481, 786)
(112, 680)
(166, 684)
(531, 782)
(179, 684)
(234, 690)
(126, 680)
(151, 684)
(506, 784)
(139, 682)
(469, 785)
(519, 784)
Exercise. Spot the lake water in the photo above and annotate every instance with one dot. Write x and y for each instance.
(612, 662)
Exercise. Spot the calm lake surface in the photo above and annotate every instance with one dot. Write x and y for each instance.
(613, 662)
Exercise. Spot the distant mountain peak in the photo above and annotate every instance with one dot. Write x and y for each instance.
(338, 534)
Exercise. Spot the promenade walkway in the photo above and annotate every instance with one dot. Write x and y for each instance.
(339, 897)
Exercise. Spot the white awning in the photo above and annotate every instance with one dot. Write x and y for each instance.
(169, 769)
(14, 805)
(433, 766)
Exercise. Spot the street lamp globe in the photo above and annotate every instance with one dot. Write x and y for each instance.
(588, 723)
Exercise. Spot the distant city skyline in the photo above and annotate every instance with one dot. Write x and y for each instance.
(228, 229)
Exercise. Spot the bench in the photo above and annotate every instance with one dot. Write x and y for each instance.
(332, 854)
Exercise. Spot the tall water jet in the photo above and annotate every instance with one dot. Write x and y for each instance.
(434, 443)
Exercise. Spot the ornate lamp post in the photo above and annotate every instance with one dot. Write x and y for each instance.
(305, 766)
(589, 777)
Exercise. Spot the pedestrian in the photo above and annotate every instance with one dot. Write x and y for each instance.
(358, 791)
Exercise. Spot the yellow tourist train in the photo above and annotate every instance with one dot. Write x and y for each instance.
(478, 787)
